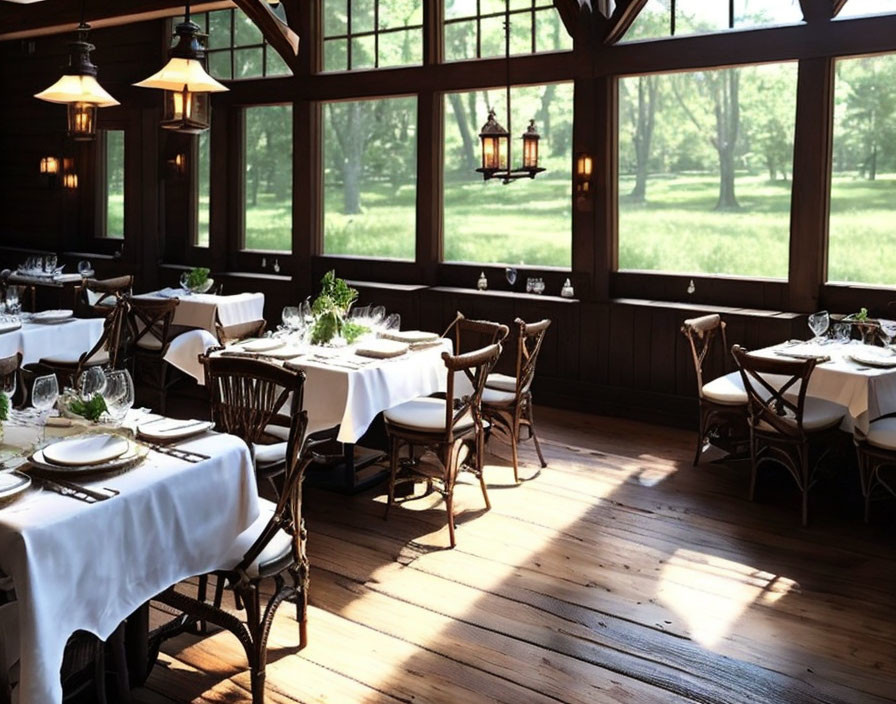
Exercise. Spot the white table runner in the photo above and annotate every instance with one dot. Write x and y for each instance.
(37, 340)
(202, 310)
(88, 566)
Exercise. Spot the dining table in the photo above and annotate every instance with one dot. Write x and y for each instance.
(88, 566)
(860, 377)
(206, 311)
(35, 340)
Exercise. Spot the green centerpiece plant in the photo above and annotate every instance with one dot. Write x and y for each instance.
(4, 412)
(330, 311)
(91, 409)
(197, 279)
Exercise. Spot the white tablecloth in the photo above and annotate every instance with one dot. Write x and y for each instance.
(88, 566)
(37, 340)
(868, 393)
(202, 310)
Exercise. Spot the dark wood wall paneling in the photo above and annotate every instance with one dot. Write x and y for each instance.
(615, 349)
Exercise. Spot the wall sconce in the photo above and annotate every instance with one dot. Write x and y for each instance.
(177, 165)
(584, 171)
(70, 180)
(49, 165)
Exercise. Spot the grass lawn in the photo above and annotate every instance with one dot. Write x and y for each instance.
(676, 230)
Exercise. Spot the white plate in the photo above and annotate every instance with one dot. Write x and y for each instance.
(168, 429)
(262, 344)
(409, 336)
(52, 316)
(382, 349)
(10, 326)
(870, 359)
(286, 352)
(86, 450)
(12, 484)
(133, 454)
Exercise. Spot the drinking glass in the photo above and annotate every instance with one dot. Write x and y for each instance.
(92, 382)
(887, 330)
(842, 332)
(85, 268)
(530, 285)
(13, 303)
(819, 323)
(50, 264)
(510, 275)
(8, 386)
(118, 394)
(292, 317)
(44, 394)
(184, 281)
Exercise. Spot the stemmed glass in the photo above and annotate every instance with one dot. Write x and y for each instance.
(8, 386)
(510, 275)
(185, 281)
(93, 381)
(819, 323)
(43, 397)
(13, 305)
(292, 317)
(85, 268)
(118, 394)
(887, 330)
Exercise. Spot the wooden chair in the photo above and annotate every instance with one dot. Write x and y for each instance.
(149, 334)
(876, 452)
(472, 334)
(451, 428)
(723, 401)
(97, 297)
(68, 365)
(272, 549)
(786, 425)
(507, 400)
(239, 331)
(247, 397)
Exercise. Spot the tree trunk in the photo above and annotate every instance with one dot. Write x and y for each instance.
(466, 135)
(727, 109)
(353, 159)
(647, 87)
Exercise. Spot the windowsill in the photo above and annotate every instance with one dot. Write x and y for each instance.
(519, 295)
(91, 255)
(706, 308)
(405, 288)
(254, 275)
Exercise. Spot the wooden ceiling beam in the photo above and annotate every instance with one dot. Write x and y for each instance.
(818, 10)
(624, 14)
(569, 14)
(277, 32)
(838, 5)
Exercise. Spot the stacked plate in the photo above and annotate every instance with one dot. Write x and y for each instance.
(12, 485)
(411, 337)
(9, 324)
(873, 357)
(164, 430)
(51, 316)
(87, 454)
(382, 349)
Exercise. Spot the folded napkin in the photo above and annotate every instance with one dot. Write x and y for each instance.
(66, 278)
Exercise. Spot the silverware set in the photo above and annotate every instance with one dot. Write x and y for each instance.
(76, 491)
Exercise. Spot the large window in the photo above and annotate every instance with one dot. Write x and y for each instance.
(863, 184)
(527, 222)
(370, 177)
(861, 8)
(236, 47)
(203, 193)
(705, 160)
(474, 29)
(362, 34)
(267, 180)
(112, 183)
(664, 18)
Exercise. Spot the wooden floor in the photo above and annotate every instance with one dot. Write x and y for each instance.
(618, 574)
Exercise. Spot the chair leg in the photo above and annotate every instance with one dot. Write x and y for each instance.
(700, 434)
(531, 418)
(393, 471)
(480, 469)
(451, 470)
(514, 441)
(119, 660)
(804, 475)
(753, 470)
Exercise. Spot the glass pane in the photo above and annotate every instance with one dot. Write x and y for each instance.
(370, 177)
(521, 33)
(219, 64)
(335, 18)
(335, 55)
(700, 16)
(363, 52)
(551, 35)
(460, 41)
(400, 13)
(653, 22)
(362, 16)
(862, 246)
(246, 32)
(704, 188)
(492, 40)
(459, 8)
(758, 13)
(203, 172)
(523, 4)
(274, 64)
(859, 8)
(401, 48)
(247, 62)
(267, 182)
(487, 7)
(219, 29)
(530, 221)
(114, 184)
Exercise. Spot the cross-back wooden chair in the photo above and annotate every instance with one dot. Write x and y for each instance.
(507, 400)
(451, 428)
(247, 397)
(97, 297)
(472, 334)
(786, 425)
(149, 334)
(876, 453)
(723, 401)
(68, 365)
(273, 548)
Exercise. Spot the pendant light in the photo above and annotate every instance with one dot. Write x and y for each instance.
(79, 89)
(185, 81)
(496, 146)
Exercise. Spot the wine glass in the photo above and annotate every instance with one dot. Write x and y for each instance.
(819, 323)
(50, 264)
(842, 332)
(510, 275)
(184, 281)
(8, 386)
(291, 317)
(92, 382)
(887, 330)
(118, 394)
(13, 304)
(85, 268)
(43, 397)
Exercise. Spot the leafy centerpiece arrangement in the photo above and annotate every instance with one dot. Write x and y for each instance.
(196, 280)
(90, 409)
(330, 311)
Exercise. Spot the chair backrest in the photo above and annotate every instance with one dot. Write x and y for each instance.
(149, 322)
(248, 395)
(701, 333)
(110, 340)
(530, 336)
(475, 366)
(99, 296)
(474, 334)
(779, 405)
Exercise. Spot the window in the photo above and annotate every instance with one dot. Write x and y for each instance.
(861, 8)
(235, 46)
(203, 195)
(528, 222)
(362, 34)
(705, 160)
(370, 177)
(474, 29)
(112, 177)
(664, 18)
(267, 180)
(862, 246)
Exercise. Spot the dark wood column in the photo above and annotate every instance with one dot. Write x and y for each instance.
(605, 188)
